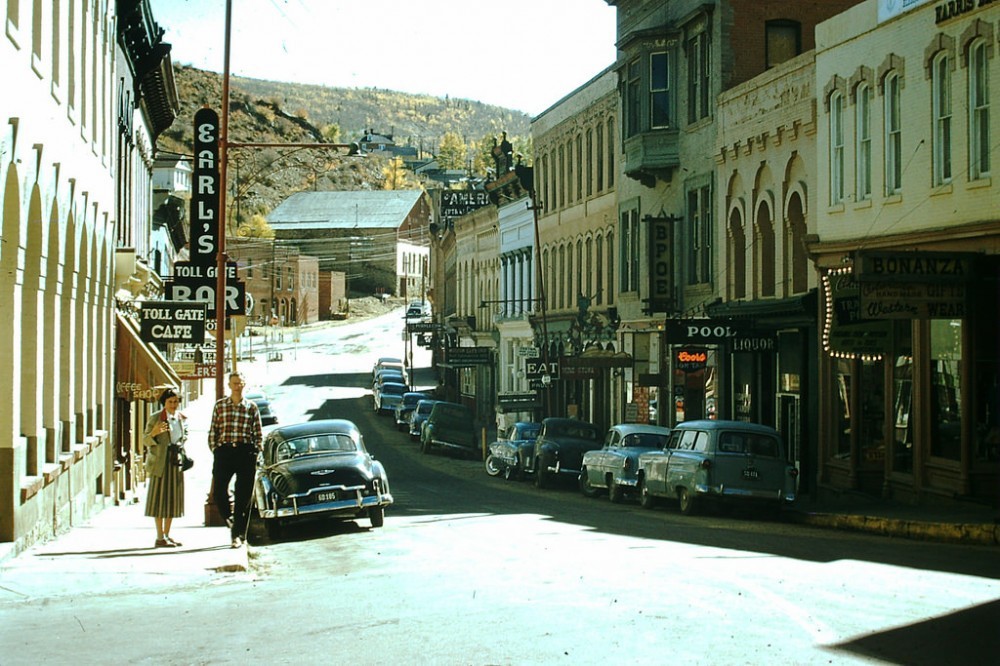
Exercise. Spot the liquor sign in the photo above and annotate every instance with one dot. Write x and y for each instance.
(194, 282)
(661, 258)
(205, 216)
(455, 204)
(165, 322)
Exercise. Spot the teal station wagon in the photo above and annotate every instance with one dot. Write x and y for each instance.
(729, 461)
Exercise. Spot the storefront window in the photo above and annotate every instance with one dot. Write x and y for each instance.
(902, 399)
(946, 388)
(842, 417)
(872, 426)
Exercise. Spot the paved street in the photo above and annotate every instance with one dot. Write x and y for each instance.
(477, 570)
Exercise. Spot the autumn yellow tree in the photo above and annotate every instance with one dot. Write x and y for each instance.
(452, 151)
(398, 177)
(256, 227)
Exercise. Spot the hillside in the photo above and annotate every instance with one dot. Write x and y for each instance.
(272, 112)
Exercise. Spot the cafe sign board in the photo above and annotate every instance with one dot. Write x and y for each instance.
(167, 322)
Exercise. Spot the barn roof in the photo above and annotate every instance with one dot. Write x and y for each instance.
(343, 210)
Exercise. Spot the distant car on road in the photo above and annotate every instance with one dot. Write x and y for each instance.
(726, 461)
(405, 406)
(267, 413)
(319, 469)
(418, 311)
(419, 415)
(615, 465)
(507, 455)
(559, 449)
(386, 396)
(449, 425)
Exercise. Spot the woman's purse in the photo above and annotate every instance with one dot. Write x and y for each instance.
(180, 457)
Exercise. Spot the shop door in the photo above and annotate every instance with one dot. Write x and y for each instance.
(789, 427)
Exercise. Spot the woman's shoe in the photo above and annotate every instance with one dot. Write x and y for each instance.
(172, 542)
(163, 543)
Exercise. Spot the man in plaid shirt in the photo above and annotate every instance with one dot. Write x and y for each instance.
(234, 438)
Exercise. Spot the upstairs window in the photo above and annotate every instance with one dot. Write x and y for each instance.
(863, 139)
(979, 111)
(630, 250)
(633, 111)
(698, 77)
(782, 41)
(659, 90)
(941, 108)
(893, 135)
(836, 148)
(700, 233)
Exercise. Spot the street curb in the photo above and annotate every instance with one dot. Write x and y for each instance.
(965, 533)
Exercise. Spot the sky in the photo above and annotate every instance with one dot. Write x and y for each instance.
(519, 54)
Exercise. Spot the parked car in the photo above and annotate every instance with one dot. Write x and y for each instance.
(388, 374)
(418, 311)
(506, 455)
(449, 425)
(386, 362)
(388, 395)
(729, 461)
(405, 406)
(615, 465)
(418, 416)
(319, 469)
(559, 449)
(267, 413)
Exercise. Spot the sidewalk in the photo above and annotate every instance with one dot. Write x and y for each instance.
(115, 547)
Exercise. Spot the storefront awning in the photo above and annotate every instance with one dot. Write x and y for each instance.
(141, 368)
(800, 308)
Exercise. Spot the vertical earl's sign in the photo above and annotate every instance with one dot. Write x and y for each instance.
(195, 280)
(205, 226)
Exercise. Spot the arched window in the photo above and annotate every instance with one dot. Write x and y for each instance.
(863, 142)
(737, 256)
(979, 110)
(893, 134)
(941, 110)
(836, 148)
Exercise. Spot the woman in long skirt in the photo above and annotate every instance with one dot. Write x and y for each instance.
(165, 430)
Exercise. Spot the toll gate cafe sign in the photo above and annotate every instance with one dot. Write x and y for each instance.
(168, 322)
(735, 335)
(913, 285)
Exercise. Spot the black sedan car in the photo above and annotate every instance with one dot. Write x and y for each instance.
(319, 469)
(559, 449)
(508, 454)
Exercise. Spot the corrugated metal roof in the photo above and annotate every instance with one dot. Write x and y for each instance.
(341, 210)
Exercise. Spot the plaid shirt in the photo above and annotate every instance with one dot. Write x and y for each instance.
(235, 422)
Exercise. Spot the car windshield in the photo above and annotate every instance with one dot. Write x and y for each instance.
(646, 440)
(526, 432)
(393, 389)
(411, 399)
(580, 431)
(326, 443)
(752, 443)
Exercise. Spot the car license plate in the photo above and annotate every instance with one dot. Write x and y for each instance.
(326, 497)
(751, 473)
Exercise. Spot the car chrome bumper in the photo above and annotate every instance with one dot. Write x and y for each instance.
(745, 493)
(559, 469)
(359, 501)
(451, 445)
